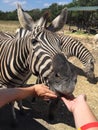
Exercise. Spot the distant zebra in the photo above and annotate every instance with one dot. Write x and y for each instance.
(37, 53)
(73, 47)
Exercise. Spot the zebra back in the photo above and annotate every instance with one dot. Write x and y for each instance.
(7, 35)
(73, 47)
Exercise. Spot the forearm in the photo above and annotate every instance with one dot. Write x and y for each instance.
(7, 95)
(83, 115)
(40, 90)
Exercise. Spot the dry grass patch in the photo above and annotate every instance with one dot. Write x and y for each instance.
(9, 26)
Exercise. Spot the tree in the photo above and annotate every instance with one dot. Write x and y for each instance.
(85, 2)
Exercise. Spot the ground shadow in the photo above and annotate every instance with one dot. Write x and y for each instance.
(38, 110)
(24, 122)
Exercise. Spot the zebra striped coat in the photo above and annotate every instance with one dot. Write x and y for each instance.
(72, 47)
(37, 53)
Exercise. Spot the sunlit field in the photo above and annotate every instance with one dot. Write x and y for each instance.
(64, 120)
(9, 26)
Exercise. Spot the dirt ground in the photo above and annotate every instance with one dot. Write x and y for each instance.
(36, 114)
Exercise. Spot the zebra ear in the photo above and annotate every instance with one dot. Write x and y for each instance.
(59, 21)
(25, 19)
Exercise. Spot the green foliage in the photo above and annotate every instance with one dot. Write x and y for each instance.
(8, 15)
(85, 2)
(35, 13)
(55, 9)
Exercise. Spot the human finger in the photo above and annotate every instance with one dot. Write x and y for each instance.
(82, 97)
(48, 96)
(66, 101)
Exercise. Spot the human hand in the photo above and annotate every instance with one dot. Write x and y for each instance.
(73, 103)
(43, 91)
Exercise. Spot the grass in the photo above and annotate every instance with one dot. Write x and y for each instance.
(9, 26)
(77, 33)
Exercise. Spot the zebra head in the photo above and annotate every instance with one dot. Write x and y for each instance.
(49, 62)
(63, 78)
(89, 70)
(47, 59)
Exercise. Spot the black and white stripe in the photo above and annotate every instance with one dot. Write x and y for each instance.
(6, 35)
(21, 57)
(70, 46)
(18, 59)
(73, 47)
(33, 54)
(36, 52)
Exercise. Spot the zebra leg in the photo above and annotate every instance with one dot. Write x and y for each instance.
(52, 108)
(22, 112)
(14, 121)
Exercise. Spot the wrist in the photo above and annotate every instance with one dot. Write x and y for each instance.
(34, 93)
(92, 125)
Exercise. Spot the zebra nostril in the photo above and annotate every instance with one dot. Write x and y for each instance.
(75, 80)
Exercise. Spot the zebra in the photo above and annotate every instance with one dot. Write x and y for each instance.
(37, 53)
(5, 35)
(70, 46)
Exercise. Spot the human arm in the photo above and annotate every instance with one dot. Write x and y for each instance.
(11, 94)
(81, 111)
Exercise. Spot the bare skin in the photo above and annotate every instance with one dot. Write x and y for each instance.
(81, 111)
(38, 90)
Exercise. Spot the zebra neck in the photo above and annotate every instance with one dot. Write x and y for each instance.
(23, 52)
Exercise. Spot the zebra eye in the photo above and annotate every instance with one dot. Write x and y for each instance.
(34, 41)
